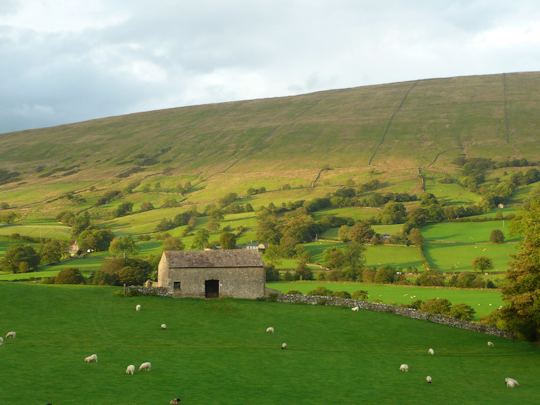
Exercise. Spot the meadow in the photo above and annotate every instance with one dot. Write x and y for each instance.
(216, 351)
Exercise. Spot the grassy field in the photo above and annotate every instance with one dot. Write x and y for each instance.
(453, 246)
(217, 352)
(483, 301)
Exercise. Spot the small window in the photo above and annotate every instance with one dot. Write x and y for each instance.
(176, 285)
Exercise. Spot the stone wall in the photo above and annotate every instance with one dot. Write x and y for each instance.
(134, 290)
(408, 312)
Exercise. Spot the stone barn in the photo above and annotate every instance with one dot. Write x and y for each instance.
(213, 273)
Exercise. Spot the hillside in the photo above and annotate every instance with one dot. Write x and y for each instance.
(402, 137)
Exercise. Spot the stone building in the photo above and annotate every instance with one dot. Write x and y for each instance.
(213, 273)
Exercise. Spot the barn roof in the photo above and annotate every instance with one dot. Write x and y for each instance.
(213, 258)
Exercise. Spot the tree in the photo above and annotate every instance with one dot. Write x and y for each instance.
(482, 263)
(80, 223)
(146, 206)
(272, 255)
(393, 213)
(200, 241)
(95, 239)
(416, 238)
(303, 272)
(132, 276)
(8, 218)
(51, 252)
(20, 259)
(123, 246)
(69, 276)
(463, 312)
(353, 260)
(343, 233)
(440, 306)
(227, 240)
(334, 258)
(172, 243)
(361, 232)
(496, 236)
(521, 293)
(123, 209)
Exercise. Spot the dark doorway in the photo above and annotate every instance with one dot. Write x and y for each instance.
(211, 288)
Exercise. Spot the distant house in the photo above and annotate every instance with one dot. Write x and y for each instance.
(261, 247)
(235, 273)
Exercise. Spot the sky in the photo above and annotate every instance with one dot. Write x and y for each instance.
(67, 61)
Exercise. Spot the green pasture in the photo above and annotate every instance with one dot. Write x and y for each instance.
(356, 213)
(466, 232)
(38, 229)
(217, 352)
(483, 301)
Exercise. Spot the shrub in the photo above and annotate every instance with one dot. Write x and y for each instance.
(294, 292)
(368, 275)
(69, 276)
(271, 273)
(463, 312)
(361, 295)
(303, 272)
(482, 263)
(439, 306)
(430, 278)
(132, 276)
(496, 236)
(385, 275)
(323, 291)
(20, 259)
(341, 294)
(416, 304)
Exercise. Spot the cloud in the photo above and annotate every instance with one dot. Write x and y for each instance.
(64, 61)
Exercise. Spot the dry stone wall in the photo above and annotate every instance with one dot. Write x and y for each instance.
(408, 312)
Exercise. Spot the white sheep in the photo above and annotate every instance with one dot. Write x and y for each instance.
(1, 340)
(270, 330)
(130, 369)
(355, 309)
(428, 379)
(145, 366)
(431, 351)
(491, 344)
(163, 326)
(510, 382)
(91, 359)
(283, 346)
(138, 307)
(404, 368)
(11, 334)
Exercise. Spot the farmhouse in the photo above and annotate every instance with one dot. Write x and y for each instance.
(212, 273)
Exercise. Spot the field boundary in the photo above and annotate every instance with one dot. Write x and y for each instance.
(397, 310)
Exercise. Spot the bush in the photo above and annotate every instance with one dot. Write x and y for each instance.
(482, 263)
(439, 306)
(271, 273)
(463, 312)
(294, 292)
(430, 278)
(116, 271)
(496, 236)
(20, 259)
(323, 291)
(132, 276)
(385, 275)
(69, 276)
(361, 295)
(303, 272)
(368, 275)
(416, 304)
(341, 294)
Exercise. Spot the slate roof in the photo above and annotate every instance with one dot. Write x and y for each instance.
(213, 258)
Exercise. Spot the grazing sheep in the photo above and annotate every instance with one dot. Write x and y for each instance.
(490, 344)
(510, 382)
(283, 346)
(1, 340)
(11, 334)
(270, 330)
(404, 368)
(428, 379)
(431, 351)
(355, 309)
(91, 359)
(175, 401)
(145, 366)
(138, 307)
(163, 326)
(130, 369)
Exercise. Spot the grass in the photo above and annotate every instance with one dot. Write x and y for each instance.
(217, 352)
(479, 299)
(453, 246)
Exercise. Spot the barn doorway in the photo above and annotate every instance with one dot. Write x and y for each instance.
(211, 288)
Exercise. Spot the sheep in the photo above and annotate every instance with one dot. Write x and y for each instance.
(355, 309)
(11, 334)
(130, 369)
(1, 340)
(91, 359)
(163, 326)
(270, 330)
(283, 346)
(490, 344)
(428, 379)
(145, 366)
(404, 368)
(510, 382)
(175, 401)
(138, 307)
(431, 351)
